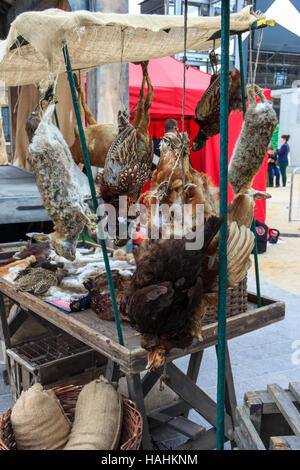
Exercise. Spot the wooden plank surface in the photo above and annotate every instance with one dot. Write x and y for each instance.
(294, 387)
(251, 437)
(285, 443)
(195, 397)
(286, 407)
(102, 336)
(268, 403)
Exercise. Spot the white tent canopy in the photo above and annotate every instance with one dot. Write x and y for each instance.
(100, 38)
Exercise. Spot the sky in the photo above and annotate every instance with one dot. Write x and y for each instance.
(134, 8)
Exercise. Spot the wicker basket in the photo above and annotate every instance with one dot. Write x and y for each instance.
(237, 302)
(132, 427)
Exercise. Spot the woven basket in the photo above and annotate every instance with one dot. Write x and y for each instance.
(237, 302)
(132, 427)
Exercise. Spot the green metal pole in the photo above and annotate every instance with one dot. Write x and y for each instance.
(56, 118)
(253, 227)
(92, 187)
(222, 295)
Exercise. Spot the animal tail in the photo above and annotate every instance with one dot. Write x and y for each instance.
(240, 243)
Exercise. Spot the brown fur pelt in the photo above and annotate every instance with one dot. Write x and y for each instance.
(60, 183)
(251, 147)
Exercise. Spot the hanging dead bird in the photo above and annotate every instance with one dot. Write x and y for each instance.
(99, 297)
(164, 291)
(168, 186)
(38, 281)
(60, 183)
(99, 137)
(128, 163)
(207, 113)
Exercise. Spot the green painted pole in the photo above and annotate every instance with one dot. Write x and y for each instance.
(222, 295)
(56, 118)
(253, 226)
(92, 187)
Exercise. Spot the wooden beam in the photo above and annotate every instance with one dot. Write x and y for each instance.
(247, 429)
(254, 406)
(135, 392)
(284, 443)
(286, 407)
(195, 397)
(294, 387)
(268, 403)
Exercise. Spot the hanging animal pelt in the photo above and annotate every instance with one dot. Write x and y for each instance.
(207, 113)
(61, 184)
(251, 147)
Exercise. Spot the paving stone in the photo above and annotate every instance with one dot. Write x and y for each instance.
(5, 403)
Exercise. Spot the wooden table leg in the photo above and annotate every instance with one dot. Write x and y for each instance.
(112, 371)
(195, 397)
(193, 371)
(135, 390)
(4, 328)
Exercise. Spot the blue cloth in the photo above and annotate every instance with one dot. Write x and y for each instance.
(282, 153)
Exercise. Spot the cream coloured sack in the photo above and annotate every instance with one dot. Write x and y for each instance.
(98, 418)
(38, 421)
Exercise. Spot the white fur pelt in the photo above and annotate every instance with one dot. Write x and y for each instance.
(251, 147)
(60, 183)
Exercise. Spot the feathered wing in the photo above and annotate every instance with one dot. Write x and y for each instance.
(207, 113)
(240, 244)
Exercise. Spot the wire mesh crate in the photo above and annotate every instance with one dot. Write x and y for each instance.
(51, 360)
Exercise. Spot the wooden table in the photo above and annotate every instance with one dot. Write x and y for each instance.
(131, 359)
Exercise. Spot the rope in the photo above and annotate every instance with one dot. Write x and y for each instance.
(183, 98)
(121, 78)
(258, 51)
(253, 74)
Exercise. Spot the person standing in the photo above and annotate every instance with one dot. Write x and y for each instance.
(171, 127)
(282, 157)
(272, 168)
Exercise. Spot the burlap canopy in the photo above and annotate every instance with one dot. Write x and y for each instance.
(100, 38)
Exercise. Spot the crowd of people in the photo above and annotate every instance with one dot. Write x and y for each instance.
(278, 162)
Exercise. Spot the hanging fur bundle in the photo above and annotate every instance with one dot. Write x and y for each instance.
(61, 184)
(251, 147)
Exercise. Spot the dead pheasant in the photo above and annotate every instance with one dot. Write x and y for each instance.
(99, 137)
(207, 113)
(128, 163)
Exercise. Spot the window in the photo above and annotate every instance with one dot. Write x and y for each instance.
(280, 77)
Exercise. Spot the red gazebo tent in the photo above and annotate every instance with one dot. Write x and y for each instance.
(167, 80)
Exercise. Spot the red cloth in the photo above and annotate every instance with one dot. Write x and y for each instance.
(167, 80)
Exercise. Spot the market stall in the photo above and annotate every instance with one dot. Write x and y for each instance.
(52, 40)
